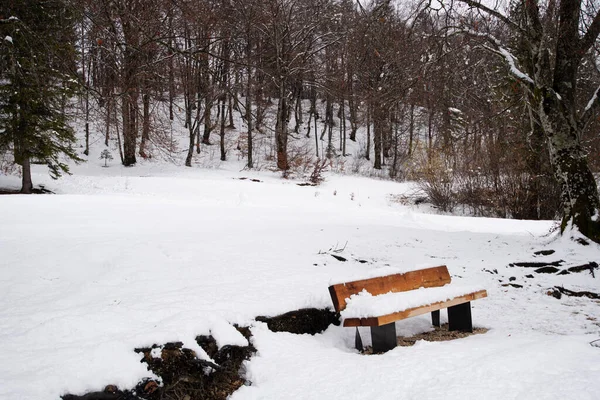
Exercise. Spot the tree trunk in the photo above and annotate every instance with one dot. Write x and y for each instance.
(249, 105)
(368, 150)
(230, 111)
(380, 131)
(411, 129)
(129, 131)
(222, 129)
(559, 117)
(578, 186)
(26, 183)
(190, 154)
(87, 123)
(281, 135)
(108, 114)
(145, 124)
(207, 122)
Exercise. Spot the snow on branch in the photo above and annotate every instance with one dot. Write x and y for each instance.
(590, 108)
(593, 100)
(510, 59)
(502, 51)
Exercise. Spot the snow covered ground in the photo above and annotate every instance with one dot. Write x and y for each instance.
(124, 258)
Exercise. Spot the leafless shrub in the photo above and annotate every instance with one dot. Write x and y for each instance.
(437, 181)
(316, 177)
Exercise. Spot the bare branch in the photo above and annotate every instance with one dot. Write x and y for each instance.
(591, 35)
(492, 12)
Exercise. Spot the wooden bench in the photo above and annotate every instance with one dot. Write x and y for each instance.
(379, 302)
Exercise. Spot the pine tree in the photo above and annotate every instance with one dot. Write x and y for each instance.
(37, 79)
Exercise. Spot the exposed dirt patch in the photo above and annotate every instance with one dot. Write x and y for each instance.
(9, 191)
(38, 190)
(182, 375)
(439, 334)
(306, 320)
(536, 264)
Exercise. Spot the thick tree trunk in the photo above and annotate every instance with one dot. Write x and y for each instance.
(578, 186)
(129, 131)
(559, 117)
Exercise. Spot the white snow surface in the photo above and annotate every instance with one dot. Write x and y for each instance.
(122, 258)
(365, 305)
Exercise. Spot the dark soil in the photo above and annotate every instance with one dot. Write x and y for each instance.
(38, 190)
(307, 320)
(183, 375)
(9, 191)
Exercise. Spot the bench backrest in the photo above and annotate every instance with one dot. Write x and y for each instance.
(428, 277)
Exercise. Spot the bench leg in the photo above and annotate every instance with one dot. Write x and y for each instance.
(459, 318)
(358, 341)
(384, 337)
(435, 318)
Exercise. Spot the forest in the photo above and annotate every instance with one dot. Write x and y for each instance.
(490, 107)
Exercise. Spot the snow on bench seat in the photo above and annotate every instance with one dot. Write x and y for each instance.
(364, 309)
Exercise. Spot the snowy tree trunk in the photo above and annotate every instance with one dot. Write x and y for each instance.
(578, 187)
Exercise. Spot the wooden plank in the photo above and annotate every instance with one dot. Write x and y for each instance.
(411, 312)
(428, 277)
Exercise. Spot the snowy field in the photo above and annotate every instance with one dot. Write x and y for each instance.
(124, 258)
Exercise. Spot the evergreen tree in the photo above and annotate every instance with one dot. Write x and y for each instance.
(37, 79)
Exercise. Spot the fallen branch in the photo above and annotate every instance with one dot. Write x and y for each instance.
(574, 293)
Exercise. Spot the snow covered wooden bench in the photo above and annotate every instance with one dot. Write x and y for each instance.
(379, 302)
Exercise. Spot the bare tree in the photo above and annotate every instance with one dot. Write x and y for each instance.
(554, 38)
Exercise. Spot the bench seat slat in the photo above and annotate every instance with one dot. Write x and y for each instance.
(428, 277)
(411, 312)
